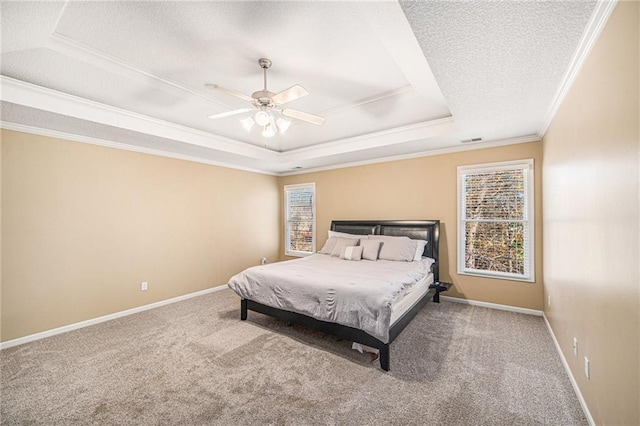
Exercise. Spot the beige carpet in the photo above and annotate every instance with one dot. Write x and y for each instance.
(195, 362)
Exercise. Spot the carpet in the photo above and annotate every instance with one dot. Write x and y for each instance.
(195, 362)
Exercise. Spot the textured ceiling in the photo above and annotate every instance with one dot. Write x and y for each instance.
(498, 62)
(391, 79)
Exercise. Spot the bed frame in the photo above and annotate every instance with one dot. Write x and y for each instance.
(417, 229)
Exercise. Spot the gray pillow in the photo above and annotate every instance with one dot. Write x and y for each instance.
(341, 243)
(328, 246)
(370, 249)
(396, 248)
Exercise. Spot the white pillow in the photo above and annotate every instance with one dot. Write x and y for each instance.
(419, 249)
(341, 244)
(370, 249)
(428, 261)
(351, 253)
(396, 248)
(345, 235)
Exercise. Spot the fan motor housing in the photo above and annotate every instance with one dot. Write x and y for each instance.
(263, 96)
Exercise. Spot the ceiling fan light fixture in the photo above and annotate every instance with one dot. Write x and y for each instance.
(262, 118)
(283, 124)
(272, 122)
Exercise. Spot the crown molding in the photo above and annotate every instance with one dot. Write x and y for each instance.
(596, 23)
(127, 147)
(423, 130)
(144, 150)
(31, 95)
(429, 153)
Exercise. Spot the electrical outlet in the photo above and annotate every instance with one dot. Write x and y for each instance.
(143, 286)
(575, 346)
(586, 367)
(549, 300)
(263, 261)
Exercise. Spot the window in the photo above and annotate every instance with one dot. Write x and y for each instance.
(299, 215)
(495, 220)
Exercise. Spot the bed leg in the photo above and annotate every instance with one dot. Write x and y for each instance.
(436, 297)
(243, 309)
(384, 357)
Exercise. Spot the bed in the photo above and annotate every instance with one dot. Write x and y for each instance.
(378, 299)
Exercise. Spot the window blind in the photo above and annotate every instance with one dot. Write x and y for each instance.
(496, 220)
(300, 219)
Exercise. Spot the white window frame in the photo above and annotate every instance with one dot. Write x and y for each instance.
(287, 241)
(529, 219)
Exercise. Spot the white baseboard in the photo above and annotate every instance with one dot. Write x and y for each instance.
(492, 305)
(81, 324)
(583, 403)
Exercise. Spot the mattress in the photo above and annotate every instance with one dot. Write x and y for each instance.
(408, 299)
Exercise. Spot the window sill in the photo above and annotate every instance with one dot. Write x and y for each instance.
(497, 276)
(297, 253)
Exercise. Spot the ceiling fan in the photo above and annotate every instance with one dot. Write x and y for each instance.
(271, 115)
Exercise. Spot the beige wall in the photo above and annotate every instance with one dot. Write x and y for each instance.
(425, 188)
(83, 226)
(591, 222)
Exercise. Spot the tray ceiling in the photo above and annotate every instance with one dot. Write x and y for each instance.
(391, 79)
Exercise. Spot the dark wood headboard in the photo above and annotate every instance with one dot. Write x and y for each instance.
(428, 230)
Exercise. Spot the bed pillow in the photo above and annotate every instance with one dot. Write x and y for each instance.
(396, 248)
(370, 249)
(428, 261)
(351, 253)
(419, 249)
(345, 235)
(341, 244)
(328, 246)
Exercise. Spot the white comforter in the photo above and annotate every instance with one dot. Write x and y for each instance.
(355, 294)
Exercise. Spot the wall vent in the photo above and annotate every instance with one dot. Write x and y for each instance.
(472, 140)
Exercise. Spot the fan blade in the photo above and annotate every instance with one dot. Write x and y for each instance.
(304, 116)
(230, 92)
(290, 94)
(230, 113)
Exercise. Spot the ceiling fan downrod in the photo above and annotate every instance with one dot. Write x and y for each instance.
(264, 96)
